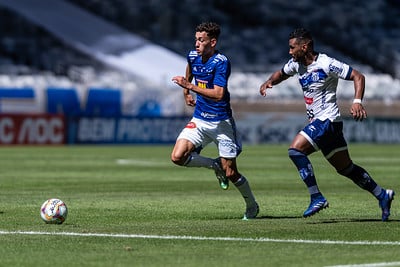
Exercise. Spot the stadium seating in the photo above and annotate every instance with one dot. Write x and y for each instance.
(368, 37)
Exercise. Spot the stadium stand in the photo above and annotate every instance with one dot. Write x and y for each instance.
(254, 37)
(255, 32)
(99, 39)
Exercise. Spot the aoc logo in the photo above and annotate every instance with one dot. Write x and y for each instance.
(31, 129)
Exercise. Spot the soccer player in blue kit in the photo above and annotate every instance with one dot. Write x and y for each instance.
(318, 76)
(212, 118)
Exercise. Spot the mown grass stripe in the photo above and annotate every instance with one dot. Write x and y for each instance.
(206, 238)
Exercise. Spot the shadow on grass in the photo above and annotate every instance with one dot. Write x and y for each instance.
(277, 217)
(349, 220)
(324, 221)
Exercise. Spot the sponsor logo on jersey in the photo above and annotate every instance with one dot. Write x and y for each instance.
(208, 115)
(202, 84)
(335, 69)
(308, 100)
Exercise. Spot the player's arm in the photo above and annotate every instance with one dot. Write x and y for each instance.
(357, 110)
(275, 78)
(216, 94)
(189, 100)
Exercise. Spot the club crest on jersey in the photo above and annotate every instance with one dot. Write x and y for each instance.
(310, 78)
(191, 125)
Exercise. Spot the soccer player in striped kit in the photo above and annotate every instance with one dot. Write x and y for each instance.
(318, 76)
(212, 118)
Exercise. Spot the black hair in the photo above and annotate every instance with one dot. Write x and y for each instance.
(302, 35)
(211, 28)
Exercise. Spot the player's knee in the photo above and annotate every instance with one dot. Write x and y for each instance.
(346, 171)
(297, 156)
(229, 173)
(178, 159)
(232, 174)
(292, 152)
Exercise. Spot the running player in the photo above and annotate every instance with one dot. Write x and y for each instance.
(212, 118)
(318, 76)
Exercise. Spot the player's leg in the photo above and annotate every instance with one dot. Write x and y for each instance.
(220, 174)
(343, 164)
(181, 151)
(186, 151)
(186, 154)
(229, 148)
(299, 150)
(242, 184)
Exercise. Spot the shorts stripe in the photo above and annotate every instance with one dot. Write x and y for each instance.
(310, 140)
(333, 152)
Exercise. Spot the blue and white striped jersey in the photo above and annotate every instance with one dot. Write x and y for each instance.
(319, 82)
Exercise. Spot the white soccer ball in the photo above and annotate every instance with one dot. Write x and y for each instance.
(54, 211)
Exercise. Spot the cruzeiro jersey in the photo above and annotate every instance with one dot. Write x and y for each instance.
(319, 82)
(215, 71)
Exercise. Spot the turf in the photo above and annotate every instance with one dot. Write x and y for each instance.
(130, 206)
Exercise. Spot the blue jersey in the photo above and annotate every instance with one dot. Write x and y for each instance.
(215, 71)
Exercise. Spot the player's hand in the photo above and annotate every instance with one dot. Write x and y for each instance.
(181, 81)
(264, 87)
(190, 100)
(358, 112)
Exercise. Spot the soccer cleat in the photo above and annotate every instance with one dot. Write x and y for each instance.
(220, 173)
(317, 204)
(251, 212)
(385, 204)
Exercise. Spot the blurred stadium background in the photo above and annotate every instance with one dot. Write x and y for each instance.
(95, 48)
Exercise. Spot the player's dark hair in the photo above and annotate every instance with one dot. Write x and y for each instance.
(211, 28)
(302, 35)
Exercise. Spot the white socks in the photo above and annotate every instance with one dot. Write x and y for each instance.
(244, 188)
(195, 160)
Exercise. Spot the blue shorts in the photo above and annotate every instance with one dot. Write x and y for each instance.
(326, 136)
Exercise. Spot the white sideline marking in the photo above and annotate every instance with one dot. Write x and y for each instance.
(238, 239)
(377, 264)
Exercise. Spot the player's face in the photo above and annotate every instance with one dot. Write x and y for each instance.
(204, 44)
(297, 49)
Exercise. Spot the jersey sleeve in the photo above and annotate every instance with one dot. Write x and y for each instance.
(191, 57)
(339, 69)
(222, 71)
(290, 68)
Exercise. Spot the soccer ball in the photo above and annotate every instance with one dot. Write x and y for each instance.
(54, 211)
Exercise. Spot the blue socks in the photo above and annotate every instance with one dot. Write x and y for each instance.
(361, 178)
(305, 169)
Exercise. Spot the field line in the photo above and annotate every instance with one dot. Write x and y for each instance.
(377, 264)
(237, 239)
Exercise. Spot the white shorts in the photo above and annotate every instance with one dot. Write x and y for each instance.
(222, 133)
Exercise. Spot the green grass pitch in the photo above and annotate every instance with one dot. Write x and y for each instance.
(130, 206)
